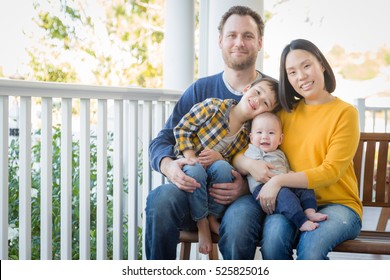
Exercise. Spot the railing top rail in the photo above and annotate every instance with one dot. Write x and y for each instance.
(66, 90)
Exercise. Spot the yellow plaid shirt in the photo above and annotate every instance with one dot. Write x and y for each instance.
(205, 125)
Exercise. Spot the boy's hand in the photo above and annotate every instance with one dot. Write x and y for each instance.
(207, 157)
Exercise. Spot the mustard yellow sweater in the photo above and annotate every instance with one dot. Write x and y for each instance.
(321, 141)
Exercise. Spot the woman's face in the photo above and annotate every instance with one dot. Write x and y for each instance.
(306, 75)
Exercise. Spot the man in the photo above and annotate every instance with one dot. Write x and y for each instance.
(167, 210)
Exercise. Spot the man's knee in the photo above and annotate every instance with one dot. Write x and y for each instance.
(164, 198)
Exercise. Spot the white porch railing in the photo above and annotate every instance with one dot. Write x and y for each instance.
(374, 118)
(133, 115)
(136, 116)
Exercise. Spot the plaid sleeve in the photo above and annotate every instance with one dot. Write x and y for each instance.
(189, 125)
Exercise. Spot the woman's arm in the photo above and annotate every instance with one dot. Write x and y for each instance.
(260, 170)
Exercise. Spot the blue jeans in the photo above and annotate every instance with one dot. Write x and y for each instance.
(280, 235)
(201, 203)
(168, 211)
(292, 202)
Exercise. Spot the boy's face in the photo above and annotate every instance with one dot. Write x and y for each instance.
(260, 98)
(266, 133)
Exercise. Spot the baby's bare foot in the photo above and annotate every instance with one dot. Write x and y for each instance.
(317, 217)
(308, 226)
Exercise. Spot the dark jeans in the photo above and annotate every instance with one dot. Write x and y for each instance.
(292, 202)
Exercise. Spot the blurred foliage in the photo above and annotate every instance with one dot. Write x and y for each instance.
(359, 65)
(117, 42)
(384, 54)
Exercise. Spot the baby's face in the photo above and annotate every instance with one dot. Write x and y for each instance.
(266, 133)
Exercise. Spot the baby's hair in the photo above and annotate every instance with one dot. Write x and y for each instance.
(269, 115)
(274, 84)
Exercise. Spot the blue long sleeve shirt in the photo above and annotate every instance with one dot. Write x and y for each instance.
(211, 86)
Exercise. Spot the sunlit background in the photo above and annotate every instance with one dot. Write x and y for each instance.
(353, 34)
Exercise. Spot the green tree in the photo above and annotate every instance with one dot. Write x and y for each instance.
(117, 42)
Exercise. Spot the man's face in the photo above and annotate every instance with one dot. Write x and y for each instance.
(240, 42)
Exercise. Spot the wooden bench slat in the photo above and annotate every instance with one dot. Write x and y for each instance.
(369, 171)
(383, 219)
(364, 246)
(372, 154)
(357, 162)
(380, 177)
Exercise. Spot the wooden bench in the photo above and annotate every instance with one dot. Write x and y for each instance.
(372, 171)
(371, 164)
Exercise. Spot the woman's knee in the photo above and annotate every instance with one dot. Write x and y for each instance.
(342, 224)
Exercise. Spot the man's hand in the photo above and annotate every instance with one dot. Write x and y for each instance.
(207, 157)
(226, 193)
(172, 169)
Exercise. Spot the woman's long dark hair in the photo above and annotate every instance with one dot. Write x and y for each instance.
(287, 95)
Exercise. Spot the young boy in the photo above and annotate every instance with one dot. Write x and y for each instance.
(210, 134)
(298, 205)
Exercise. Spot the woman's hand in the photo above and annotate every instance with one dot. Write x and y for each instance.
(267, 195)
(226, 193)
(172, 169)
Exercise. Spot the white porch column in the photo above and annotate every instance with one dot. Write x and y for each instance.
(179, 53)
(210, 58)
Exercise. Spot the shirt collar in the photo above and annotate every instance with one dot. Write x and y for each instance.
(232, 90)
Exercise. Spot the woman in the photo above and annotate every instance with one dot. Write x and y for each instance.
(321, 134)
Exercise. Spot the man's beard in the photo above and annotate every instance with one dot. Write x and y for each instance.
(239, 64)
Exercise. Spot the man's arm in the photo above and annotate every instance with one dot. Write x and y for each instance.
(161, 148)
(163, 145)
